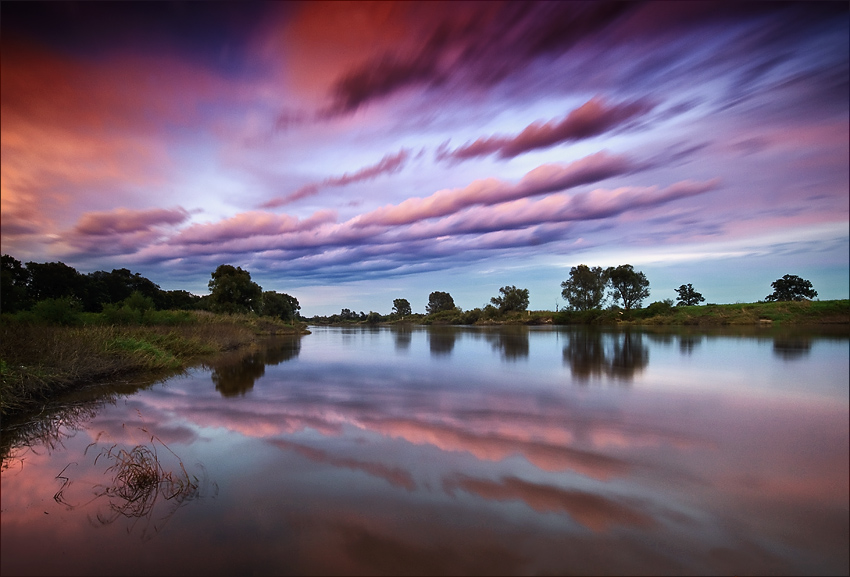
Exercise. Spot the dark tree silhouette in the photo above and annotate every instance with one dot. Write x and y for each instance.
(688, 296)
(791, 288)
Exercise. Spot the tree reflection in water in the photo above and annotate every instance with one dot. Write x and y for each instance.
(403, 335)
(512, 343)
(441, 340)
(593, 354)
(235, 375)
(792, 348)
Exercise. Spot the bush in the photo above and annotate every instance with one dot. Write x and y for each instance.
(659, 308)
(62, 311)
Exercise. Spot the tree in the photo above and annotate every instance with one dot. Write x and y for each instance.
(53, 280)
(280, 305)
(585, 289)
(688, 296)
(232, 291)
(628, 285)
(512, 299)
(439, 301)
(791, 288)
(401, 307)
(14, 279)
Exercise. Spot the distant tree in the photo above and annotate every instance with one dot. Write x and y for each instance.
(401, 307)
(585, 289)
(233, 291)
(348, 315)
(181, 300)
(439, 301)
(688, 296)
(280, 305)
(14, 279)
(374, 318)
(512, 299)
(628, 285)
(791, 288)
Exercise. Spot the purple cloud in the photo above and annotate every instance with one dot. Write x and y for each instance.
(124, 221)
(389, 164)
(593, 118)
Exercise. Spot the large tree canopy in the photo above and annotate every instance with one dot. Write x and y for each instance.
(629, 285)
(233, 291)
(791, 288)
(585, 289)
(439, 301)
(511, 299)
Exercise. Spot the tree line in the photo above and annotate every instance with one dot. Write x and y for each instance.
(24, 286)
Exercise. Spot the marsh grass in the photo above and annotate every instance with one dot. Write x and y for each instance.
(39, 360)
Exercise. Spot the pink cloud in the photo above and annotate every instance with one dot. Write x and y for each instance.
(123, 220)
(544, 179)
(394, 475)
(389, 164)
(589, 509)
(593, 118)
(251, 224)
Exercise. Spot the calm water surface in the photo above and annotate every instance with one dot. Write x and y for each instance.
(448, 451)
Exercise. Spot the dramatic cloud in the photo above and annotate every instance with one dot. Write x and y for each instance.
(479, 44)
(123, 220)
(541, 180)
(593, 118)
(389, 164)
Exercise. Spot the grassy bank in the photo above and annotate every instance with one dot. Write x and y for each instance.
(766, 313)
(39, 360)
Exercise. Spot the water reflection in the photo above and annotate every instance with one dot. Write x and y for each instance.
(403, 335)
(594, 354)
(441, 340)
(790, 349)
(234, 375)
(510, 342)
(687, 343)
(421, 451)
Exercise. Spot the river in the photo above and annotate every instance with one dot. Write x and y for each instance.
(449, 450)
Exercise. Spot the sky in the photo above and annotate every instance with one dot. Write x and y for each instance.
(350, 154)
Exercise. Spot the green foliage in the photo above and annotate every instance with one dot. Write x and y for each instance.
(585, 289)
(280, 306)
(791, 288)
(628, 285)
(401, 307)
(659, 308)
(511, 299)
(374, 318)
(438, 302)
(688, 296)
(233, 291)
(62, 311)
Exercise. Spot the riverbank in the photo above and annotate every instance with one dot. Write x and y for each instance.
(39, 361)
(785, 313)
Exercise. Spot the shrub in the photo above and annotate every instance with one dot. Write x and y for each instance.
(62, 311)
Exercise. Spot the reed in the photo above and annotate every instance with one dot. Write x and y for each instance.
(38, 361)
